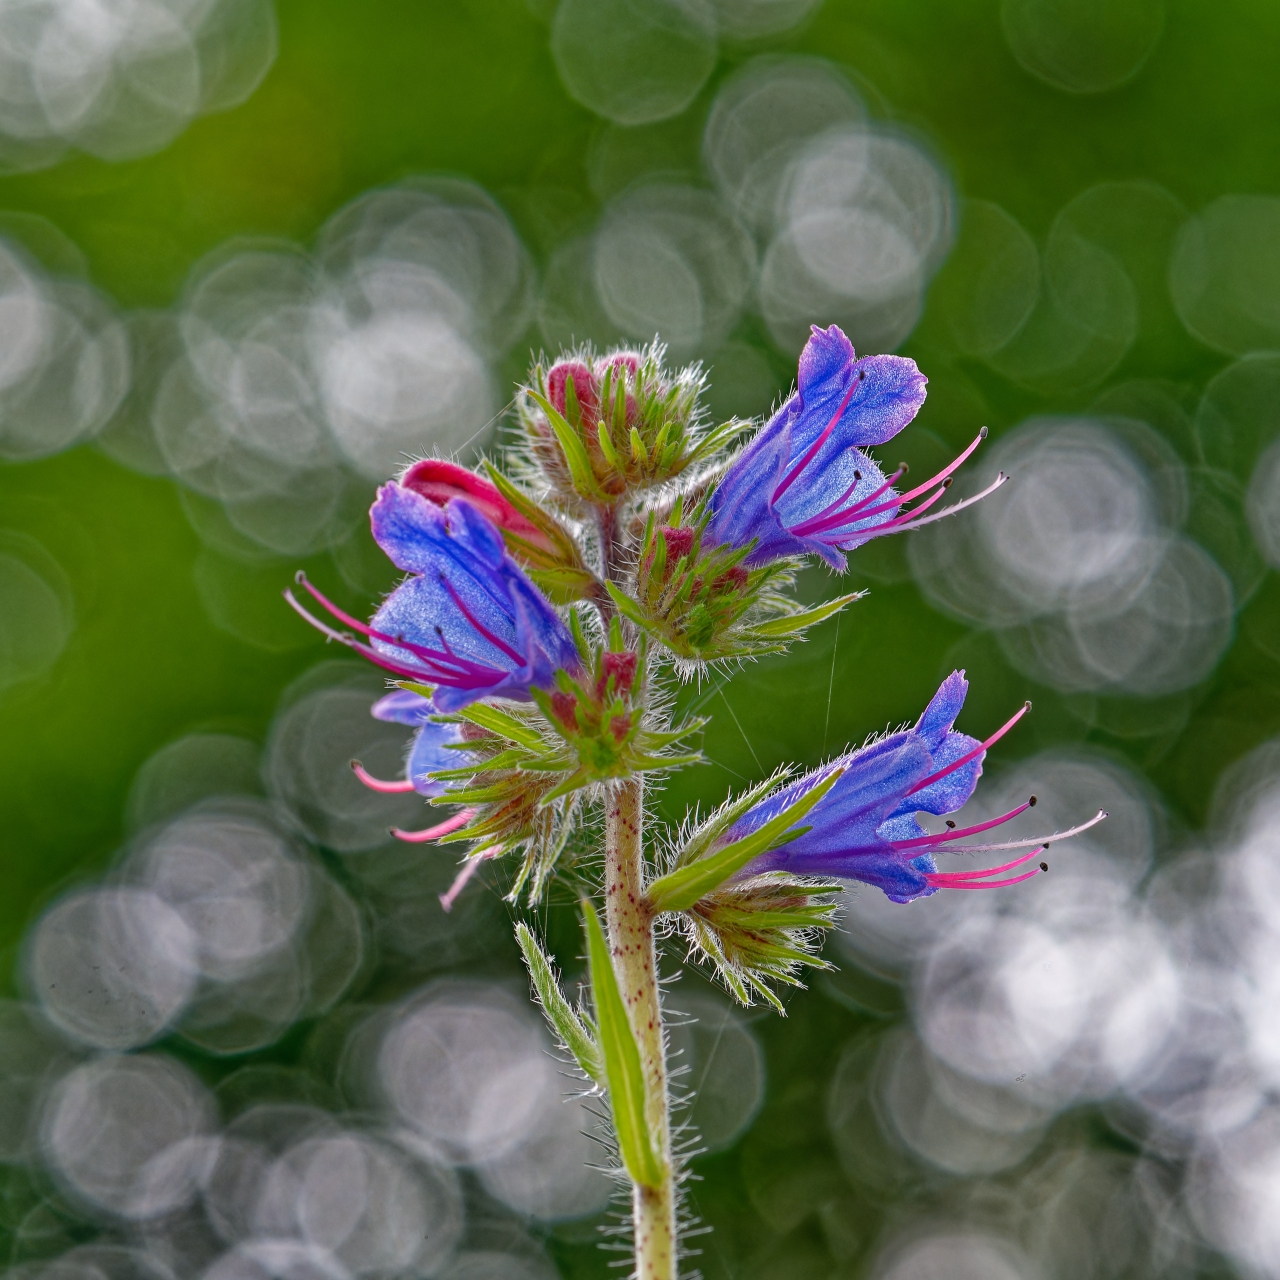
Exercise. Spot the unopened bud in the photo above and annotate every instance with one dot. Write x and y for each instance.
(679, 542)
(564, 706)
(622, 667)
(439, 481)
(734, 579)
(619, 726)
(585, 392)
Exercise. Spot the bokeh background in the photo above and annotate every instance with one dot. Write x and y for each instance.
(252, 256)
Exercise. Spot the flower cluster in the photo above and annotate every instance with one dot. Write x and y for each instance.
(522, 709)
(530, 646)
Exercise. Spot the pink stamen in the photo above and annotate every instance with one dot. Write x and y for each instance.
(378, 784)
(351, 642)
(441, 657)
(987, 872)
(497, 643)
(830, 517)
(469, 868)
(1037, 841)
(834, 506)
(940, 882)
(946, 471)
(943, 836)
(909, 521)
(790, 478)
(831, 522)
(459, 819)
(971, 755)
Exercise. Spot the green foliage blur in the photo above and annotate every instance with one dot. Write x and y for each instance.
(366, 94)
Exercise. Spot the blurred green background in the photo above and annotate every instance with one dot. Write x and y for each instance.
(365, 95)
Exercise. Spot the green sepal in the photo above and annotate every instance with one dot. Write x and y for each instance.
(575, 452)
(412, 686)
(566, 585)
(678, 890)
(792, 622)
(576, 1033)
(487, 716)
(621, 1056)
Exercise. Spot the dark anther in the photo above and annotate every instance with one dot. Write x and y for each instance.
(1044, 866)
(1046, 844)
(950, 823)
(300, 577)
(982, 435)
(862, 373)
(857, 475)
(1032, 802)
(946, 484)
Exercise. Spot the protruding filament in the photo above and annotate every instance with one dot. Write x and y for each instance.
(496, 641)
(986, 872)
(1038, 842)
(459, 819)
(974, 754)
(379, 784)
(469, 868)
(958, 834)
(943, 882)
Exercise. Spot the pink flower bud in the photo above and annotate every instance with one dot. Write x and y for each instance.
(439, 481)
(565, 708)
(585, 387)
(622, 667)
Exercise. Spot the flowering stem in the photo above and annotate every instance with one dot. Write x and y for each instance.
(635, 962)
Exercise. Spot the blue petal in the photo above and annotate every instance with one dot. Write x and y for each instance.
(431, 752)
(412, 531)
(889, 394)
(403, 707)
(952, 792)
(942, 711)
(423, 611)
(742, 506)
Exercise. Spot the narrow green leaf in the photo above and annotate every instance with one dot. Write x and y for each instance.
(637, 447)
(566, 1022)
(566, 585)
(621, 1056)
(575, 452)
(490, 717)
(422, 690)
(627, 606)
(724, 817)
(793, 622)
(606, 447)
(680, 889)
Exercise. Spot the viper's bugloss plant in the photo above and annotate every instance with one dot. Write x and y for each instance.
(548, 606)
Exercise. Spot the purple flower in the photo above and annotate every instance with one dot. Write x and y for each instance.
(434, 745)
(467, 620)
(865, 828)
(804, 485)
(432, 748)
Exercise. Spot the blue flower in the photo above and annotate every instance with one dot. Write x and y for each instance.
(865, 828)
(432, 748)
(467, 621)
(804, 484)
(434, 745)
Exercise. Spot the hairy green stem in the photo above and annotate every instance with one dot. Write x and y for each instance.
(635, 962)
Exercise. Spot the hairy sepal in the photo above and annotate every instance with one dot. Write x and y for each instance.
(681, 888)
(761, 932)
(575, 1028)
(703, 605)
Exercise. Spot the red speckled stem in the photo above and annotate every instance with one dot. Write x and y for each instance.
(635, 961)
